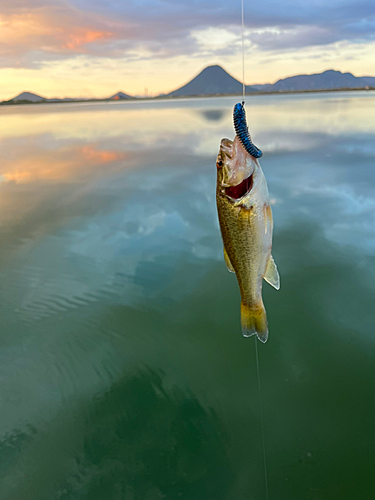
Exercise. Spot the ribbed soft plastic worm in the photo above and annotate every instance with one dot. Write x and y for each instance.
(240, 126)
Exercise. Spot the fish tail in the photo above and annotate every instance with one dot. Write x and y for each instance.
(254, 321)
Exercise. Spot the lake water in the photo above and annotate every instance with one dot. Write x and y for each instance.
(124, 374)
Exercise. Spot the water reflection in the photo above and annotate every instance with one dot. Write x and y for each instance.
(111, 261)
(66, 162)
(119, 439)
(214, 115)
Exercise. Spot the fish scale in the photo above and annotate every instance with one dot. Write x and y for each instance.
(246, 228)
(244, 239)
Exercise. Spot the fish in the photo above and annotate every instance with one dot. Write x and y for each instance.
(246, 224)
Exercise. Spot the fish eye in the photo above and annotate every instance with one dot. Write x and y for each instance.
(219, 163)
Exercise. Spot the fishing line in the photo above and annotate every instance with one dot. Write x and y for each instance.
(255, 338)
(256, 343)
(243, 54)
(261, 418)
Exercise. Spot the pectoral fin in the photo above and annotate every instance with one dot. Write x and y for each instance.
(272, 276)
(267, 217)
(228, 262)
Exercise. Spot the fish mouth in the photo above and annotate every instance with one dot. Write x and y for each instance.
(242, 189)
(226, 148)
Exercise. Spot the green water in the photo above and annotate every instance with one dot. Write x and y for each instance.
(124, 375)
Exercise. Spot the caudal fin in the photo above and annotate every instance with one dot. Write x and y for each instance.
(254, 321)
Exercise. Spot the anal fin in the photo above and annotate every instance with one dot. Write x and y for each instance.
(272, 275)
(228, 262)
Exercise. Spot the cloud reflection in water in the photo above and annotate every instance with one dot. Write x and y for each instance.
(111, 260)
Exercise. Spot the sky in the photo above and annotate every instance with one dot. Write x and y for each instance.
(94, 48)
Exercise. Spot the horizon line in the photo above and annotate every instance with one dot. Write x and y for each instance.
(143, 96)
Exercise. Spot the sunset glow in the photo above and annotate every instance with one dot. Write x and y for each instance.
(76, 48)
(67, 164)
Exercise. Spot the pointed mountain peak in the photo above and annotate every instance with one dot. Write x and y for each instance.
(213, 80)
(119, 96)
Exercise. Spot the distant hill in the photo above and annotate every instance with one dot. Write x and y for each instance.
(29, 97)
(213, 80)
(370, 80)
(119, 96)
(327, 80)
(261, 87)
(66, 99)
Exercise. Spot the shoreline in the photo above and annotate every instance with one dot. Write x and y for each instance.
(166, 97)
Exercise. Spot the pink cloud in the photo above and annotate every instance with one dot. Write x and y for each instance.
(31, 35)
(54, 30)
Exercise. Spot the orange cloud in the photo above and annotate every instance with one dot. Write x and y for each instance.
(99, 156)
(77, 40)
(50, 29)
(65, 163)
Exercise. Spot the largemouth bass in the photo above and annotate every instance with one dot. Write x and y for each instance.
(245, 218)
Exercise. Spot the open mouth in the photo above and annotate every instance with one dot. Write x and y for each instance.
(241, 189)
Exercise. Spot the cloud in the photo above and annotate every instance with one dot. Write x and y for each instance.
(51, 32)
(58, 29)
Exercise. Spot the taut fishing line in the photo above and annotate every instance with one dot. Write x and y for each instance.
(255, 338)
(261, 419)
(243, 54)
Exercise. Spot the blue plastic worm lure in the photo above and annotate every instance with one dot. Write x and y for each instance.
(240, 126)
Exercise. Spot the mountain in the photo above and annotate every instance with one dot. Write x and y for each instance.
(327, 80)
(26, 97)
(261, 87)
(119, 96)
(213, 80)
(29, 97)
(66, 99)
(370, 80)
